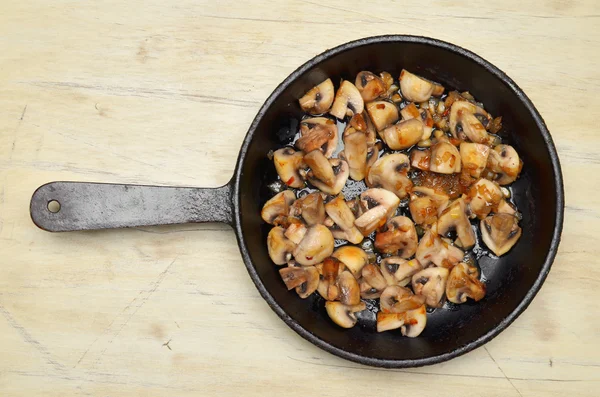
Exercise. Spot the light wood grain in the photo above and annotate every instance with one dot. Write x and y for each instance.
(159, 92)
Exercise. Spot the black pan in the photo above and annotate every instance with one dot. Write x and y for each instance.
(512, 281)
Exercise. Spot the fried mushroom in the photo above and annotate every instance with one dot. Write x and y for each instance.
(396, 299)
(310, 207)
(343, 220)
(463, 282)
(382, 114)
(293, 276)
(398, 271)
(318, 99)
(411, 112)
(316, 245)
(474, 159)
(400, 238)
(369, 85)
(484, 197)
(403, 135)
(424, 204)
(355, 153)
(415, 88)
(287, 164)
(340, 174)
(344, 315)
(430, 283)
(349, 289)
(391, 173)
(454, 217)
(420, 159)
(445, 158)
(348, 101)
(461, 107)
(378, 206)
(500, 232)
(280, 247)
(432, 249)
(354, 258)
(277, 207)
(504, 161)
(318, 133)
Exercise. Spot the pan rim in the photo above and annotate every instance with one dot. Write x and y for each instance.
(504, 323)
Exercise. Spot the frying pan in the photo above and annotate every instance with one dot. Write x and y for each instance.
(512, 280)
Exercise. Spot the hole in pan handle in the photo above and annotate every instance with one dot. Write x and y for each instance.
(70, 206)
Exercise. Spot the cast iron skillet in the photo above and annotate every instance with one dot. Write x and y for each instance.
(512, 281)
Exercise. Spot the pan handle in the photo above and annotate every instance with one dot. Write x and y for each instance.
(69, 206)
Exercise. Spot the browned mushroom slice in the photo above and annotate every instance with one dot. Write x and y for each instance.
(367, 291)
(430, 283)
(295, 232)
(464, 283)
(420, 159)
(396, 299)
(344, 315)
(414, 322)
(343, 219)
(504, 161)
(372, 275)
(347, 102)
(307, 288)
(398, 271)
(403, 135)
(340, 172)
(293, 276)
(354, 258)
(320, 167)
(461, 107)
(383, 114)
(361, 122)
(287, 164)
(469, 125)
(415, 88)
(445, 158)
(316, 245)
(329, 270)
(500, 232)
(474, 159)
(369, 85)
(391, 173)
(504, 207)
(432, 249)
(454, 217)
(277, 207)
(400, 238)
(318, 99)
(349, 289)
(280, 248)
(310, 208)
(411, 112)
(483, 197)
(378, 206)
(318, 133)
(391, 89)
(424, 204)
(389, 321)
(355, 153)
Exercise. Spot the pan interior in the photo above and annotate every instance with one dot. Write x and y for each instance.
(511, 279)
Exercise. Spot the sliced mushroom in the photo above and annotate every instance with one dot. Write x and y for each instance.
(415, 88)
(500, 232)
(463, 107)
(355, 153)
(424, 204)
(414, 322)
(432, 249)
(391, 173)
(277, 207)
(445, 158)
(349, 289)
(318, 99)
(474, 159)
(411, 112)
(400, 238)
(398, 271)
(287, 164)
(320, 167)
(464, 283)
(389, 321)
(295, 232)
(483, 197)
(348, 101)
(316, 245)
(293, 276)
(396, 299)
(430, 283)
(343, 221)
(403, 135)
(310, 208)
(420, 159)
(343, 315)
(318, 133)
(454, 217)
(361, 122)
(504, 207)
(372, 275)
(280, 248)
(367, 291)
(378, 205)
(469, 125)
(369, 85)
(354, 258)
(383, 114)
(504, 161)
(340, 172)
(311, 284)
(329, 270)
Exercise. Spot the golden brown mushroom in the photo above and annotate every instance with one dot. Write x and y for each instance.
(287, 164)
(430, 284)
(474, 159)
(340, 175)
(504, 161)
(400, 238)
(483, 197)
(417, 89)
(277, 207)
(316, 245)
(391, 173)
(396, 299)
(398, 271)
(383, 114)
(344, 315)
(464, 283)
(500, 232)
(307, 288)
(280, 248)
(318, 133)
(403, 135)
(347, 102)
(454, 217)
(310, 207)
(343, 219)
(354, 258)
(424, 205)
(369, 85)
(432, 249)
(318, 99)
(445, 158)
(378, 206)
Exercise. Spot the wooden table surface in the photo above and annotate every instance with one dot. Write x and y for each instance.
(159, 92)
